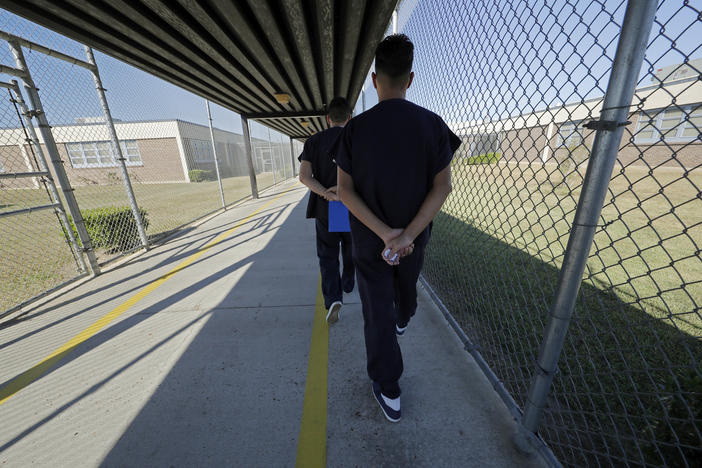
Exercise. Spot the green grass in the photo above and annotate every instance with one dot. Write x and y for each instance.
(34, 255)
(629, 369)
(486, 158)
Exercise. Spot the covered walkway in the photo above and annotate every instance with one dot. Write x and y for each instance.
(197, 353)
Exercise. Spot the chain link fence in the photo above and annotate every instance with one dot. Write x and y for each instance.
(140, 157)
(518, 82)
(271, 152)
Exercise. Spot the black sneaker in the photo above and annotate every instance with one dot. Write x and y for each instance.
(391, 414)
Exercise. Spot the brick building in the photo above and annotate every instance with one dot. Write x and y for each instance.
(666, 130)
(155, 152)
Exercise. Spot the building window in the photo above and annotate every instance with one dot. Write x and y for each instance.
(570, 135)
(99, 154)
(130, 151)
(200, 150)
(675, 124)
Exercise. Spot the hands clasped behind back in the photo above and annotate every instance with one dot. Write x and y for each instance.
(397, 245)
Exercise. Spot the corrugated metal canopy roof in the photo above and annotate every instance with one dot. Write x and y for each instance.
(235, 53)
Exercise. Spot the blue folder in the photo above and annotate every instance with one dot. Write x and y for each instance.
(338, 217)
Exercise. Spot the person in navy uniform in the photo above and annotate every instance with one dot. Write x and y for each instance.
(318, 172)
(393, 175)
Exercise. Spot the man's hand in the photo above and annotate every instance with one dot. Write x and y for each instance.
(397, 245)
(330, 194)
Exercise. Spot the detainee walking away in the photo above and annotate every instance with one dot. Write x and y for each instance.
(318, 173)
(393, 175)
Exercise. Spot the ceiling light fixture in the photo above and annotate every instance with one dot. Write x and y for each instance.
(282, 98)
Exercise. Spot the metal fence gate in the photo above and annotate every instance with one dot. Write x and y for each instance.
(31, 211)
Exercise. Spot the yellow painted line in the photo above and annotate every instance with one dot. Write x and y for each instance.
(29, 376)
(312, 441)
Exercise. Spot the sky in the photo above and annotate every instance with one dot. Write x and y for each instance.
(485, 59)
(477, 59)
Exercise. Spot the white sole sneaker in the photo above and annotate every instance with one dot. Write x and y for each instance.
(334, 312)
(391, 414)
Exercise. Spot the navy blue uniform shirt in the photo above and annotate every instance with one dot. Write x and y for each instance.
(317, 151)
(392, 152)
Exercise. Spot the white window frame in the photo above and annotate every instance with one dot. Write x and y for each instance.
(130, 150)
(574, 129)
(646, 122)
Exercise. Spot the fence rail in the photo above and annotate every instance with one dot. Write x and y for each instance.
(524, 85)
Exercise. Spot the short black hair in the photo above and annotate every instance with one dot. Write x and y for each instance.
(393, 58)
(339, 110)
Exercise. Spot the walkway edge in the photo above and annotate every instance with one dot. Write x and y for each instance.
(542, 449)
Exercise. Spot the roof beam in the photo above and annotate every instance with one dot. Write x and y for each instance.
(281, 115)
(243, 25)
(297, 22)
(325, 43)
(176, 17)
(353, 13)
(272, 30)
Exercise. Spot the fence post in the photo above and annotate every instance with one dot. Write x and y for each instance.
(292, 157)
(270, 151)
(249, 159)
(214, 152)
(116, 148)
(633, 39)
(33, 139)
(52, 149)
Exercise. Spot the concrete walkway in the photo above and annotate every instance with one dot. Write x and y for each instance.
(197, 355)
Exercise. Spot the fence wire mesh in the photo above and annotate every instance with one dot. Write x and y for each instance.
(518, 81)
(166, 142)
(176, 181)
(271, 153)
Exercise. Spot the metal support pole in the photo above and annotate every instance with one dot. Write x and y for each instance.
(270, 151)
(249, 159)
(52, 149)
(292, 157)
(363, 98)
(117, 149)
(625, 71)
(43, 166)
(214, 152)
(394, 22)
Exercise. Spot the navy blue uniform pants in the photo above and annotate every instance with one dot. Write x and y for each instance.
(389, 298)
(334, 283)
